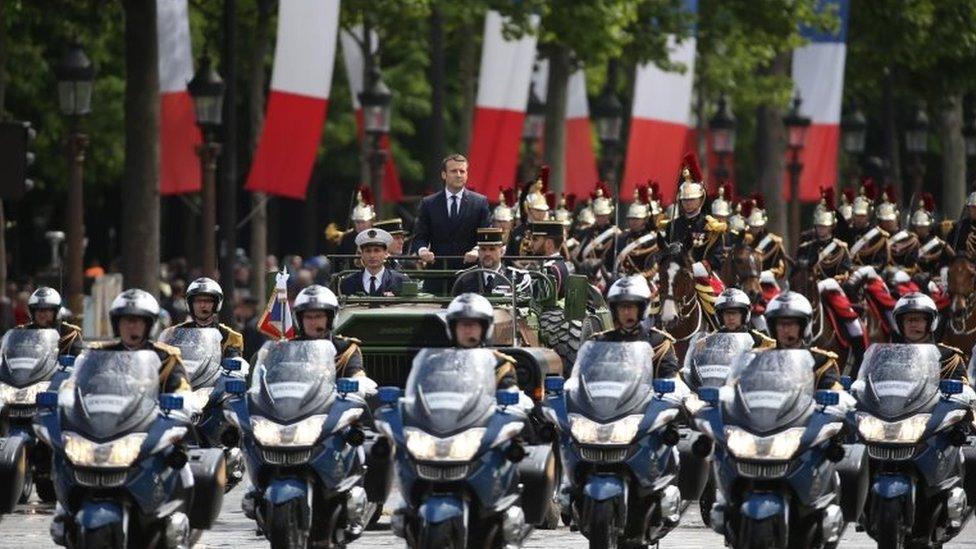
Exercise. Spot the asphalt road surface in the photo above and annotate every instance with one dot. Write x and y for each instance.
(28, 528)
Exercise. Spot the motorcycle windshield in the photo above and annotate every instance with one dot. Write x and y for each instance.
(611, 379)
(709, 361)
(110, 392)
(899, 379)
(28, 356)
(294, 379)
(771, 389)
(200, 349)
(450, 390)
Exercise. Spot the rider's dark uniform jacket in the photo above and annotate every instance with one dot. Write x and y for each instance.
(349, 357)
(665, 359)
(830, 256)
(952, 363)
(962, 238)
(70, 342)
(932, 254)
(869, 246)
(826, 369)
(759, 339)
(231, 341)
(556, 266)
(702, 235)
(172, 375)
(770, 248)
(505, 373)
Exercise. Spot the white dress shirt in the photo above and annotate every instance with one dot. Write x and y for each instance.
(449, 195)
(367, 276)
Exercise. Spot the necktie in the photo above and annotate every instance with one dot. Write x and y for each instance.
(490, 283)
(372, 285)
(454, 206)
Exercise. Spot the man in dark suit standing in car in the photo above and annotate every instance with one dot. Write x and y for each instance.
(448, 222)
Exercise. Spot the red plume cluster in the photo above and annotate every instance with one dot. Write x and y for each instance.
(849, 195)
(643, 194)
(508, 196)
(605, 188)
(367, 194)
(746, 208)
(654, 189)
(869, 188)
(570, 201)
(759, 200)
(690, 161)
(890, 194)
(827, 194)
(727, 191)
(928, 202)
(551, 200)
(544, 176)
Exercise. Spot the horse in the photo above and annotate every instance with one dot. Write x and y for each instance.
(803, 280)
(960, 330)
(742, 269)
(683, 313)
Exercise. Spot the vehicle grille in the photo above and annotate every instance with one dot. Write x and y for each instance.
(890, 453)
(20, 410)
(388, 368)
(754, 469)
(442, 472)
(597, 454)
(276, 456)
(94, 478)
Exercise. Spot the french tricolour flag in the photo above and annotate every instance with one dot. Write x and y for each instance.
(503, 93)
(299, 98)
(276, 321)
(818, 72)
(179, 167)
(661, 128)
(352, 55)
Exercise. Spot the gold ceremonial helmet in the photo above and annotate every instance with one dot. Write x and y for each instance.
(721, 205)
(363, 210)
(504, 211)
(924, 216)
(823, 216)
(846, 208)
(692, 183)
(535, 197)
(888, 209)
(602, 203)
(757, 217)
(639, 208)
(564, 213)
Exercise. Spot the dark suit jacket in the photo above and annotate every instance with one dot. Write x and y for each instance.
(391, 281)
(444, 236)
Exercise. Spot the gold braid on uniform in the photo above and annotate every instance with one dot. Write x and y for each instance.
(765, 342)
(506, 368)
(953, 362)
(350, 352)
(65, 341)
(662, 348)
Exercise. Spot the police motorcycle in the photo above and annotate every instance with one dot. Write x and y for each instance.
(913, 426)
(121, 474)
(459, 460)
(200, 350)
(776, 442)
(618, 432)
(302, 441)
(28, 363)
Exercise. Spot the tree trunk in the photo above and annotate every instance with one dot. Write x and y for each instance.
(310, 210)
(953, 155)
(467, 73)
(435, 135)
(892, 152)
(140, 179)
(770, 146)
(556, 97)
(229, 180)
(3, 96)
(256, 97)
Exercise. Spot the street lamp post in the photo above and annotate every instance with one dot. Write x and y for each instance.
(532, 130)
(376, 100)
(969, 135)
(722, 129)
(207, 90)
(853, 128)
(608, 115)
(917, 144)
(796, 128)
(76, 75)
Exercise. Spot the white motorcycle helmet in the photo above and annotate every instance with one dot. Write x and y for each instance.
(630, 289)
(134, 302)
(471, 306)
(916, 302)
(314, 298)
(791, 305)
(733, 299)
(44, 298)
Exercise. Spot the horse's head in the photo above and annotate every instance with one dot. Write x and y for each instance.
(962, 276)
(803, 278)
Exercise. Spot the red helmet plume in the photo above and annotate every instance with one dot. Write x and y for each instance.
(551, 200)
(366, 194)
(508, 196)
(570, 199)
(759, 200)
(745, 208)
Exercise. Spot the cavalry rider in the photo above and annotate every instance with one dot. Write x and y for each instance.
(628, 299)
(133, 314)
(831, 265)
(503, 216)
(734, 311)
(691, 230)
(535, 207)
(547, 242)
(768, 244)
(916, 320)
(44, 310)
(639, 241)
(204, 299)
(861, 209)
(471, 324)
(933, 253)
(721, 210)
(602, 207)
(790, 319)
(870, 245)
(961, 235)
(362, 218)
(315, 310)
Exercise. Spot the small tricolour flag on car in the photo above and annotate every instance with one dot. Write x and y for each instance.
(276, 321)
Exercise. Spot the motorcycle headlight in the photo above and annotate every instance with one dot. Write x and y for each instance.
(622, 431)
(302, 433)
(27, 395)
(906, 431)
(120, 452)
(780, 446)
(460, 447)
(199, 398)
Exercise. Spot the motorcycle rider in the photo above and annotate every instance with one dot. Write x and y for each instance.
(470, 323)
(204, 299)
(315, 309)
(733, 311)
(916, 319)
(790, 319)
(628, 299)
(44, 310)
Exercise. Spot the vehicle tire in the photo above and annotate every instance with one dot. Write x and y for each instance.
(287, 529)
(756, 535)
(106, 537)
(562, 336)
(706, 501)
(45, 490)
(592, 324)
(891, 534)
(553, 517)
(25, 494)
(603, 526)
(442, 535)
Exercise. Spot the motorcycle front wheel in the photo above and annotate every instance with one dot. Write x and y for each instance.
(603, 526)
(891, 525)
(288, 529)
(442, 535)
(757, 534)
(106, 537)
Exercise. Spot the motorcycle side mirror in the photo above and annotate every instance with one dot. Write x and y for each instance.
(47, 399)
(346, 385)
(554, 384)
(506, 398)
(231, 364)
(388, 395)
(663, 386)
(846, 382)
(950, 387)
(827, 398)
(709, 395)
(169, 402)
(66, 361)
(235, 386)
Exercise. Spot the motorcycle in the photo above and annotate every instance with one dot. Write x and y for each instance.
(302, 440)
(618, 432)
(913, 426)
(461, 467)
(776, 442)
(200, 349)
(121, 475)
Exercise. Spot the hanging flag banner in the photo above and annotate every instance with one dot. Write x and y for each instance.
(352, 55)
(179, 136)
(661, 125)
(818, 74)
(503, 94)
(299, 98)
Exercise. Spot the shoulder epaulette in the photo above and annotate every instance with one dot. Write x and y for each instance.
(502, 356)
(665, 334)
(824, 352)
(951, 348)
(349, 339)
(97, 345)
(165, 347)
(766, 340)
(71, 326)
